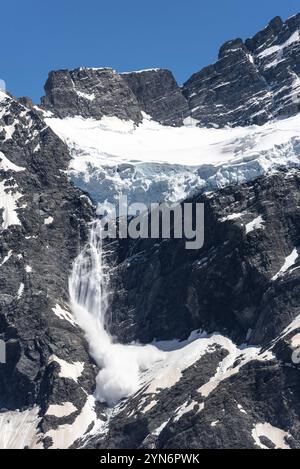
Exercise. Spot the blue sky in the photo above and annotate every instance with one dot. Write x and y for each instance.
(183, 36)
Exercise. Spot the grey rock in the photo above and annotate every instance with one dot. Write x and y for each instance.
(253, 81)
(228, 286)
(40, 258)
(158, 95)
(90, 92)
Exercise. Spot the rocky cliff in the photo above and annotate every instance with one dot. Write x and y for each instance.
(43, 222)
(252, 82)
(241, 392)
(96, 93)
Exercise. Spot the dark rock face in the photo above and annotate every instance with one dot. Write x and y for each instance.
(253, 81)
(159, 290)
(230, 417)
(90, 92)
(96, 93)
(158, 95)
(226, 286)
(43, 222)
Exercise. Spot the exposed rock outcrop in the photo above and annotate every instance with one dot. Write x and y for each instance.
(253, 81)
(89, 92)
(43, 223)
(158, 95)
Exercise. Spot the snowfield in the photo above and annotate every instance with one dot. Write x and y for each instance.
(151, 162)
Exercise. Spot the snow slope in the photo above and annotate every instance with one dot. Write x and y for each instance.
(151, 162)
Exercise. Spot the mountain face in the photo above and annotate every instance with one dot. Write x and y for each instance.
(247, 239)
(90, 93)
(158, 95)
(43, 221)
(222, 323)
(103, 92)
(212, 390)
(252, 82)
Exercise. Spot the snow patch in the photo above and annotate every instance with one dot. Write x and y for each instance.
(6, 258)
(275, 435)
(7, 165)
(48, 221)
(256, 224)
(214, 424)
(64, 315)
(227, 369)
(241, 409)
(89, 97)
(20, 291)
(289, 262)
(185, 409)
(233, 216)
(8, 202)
(142, 71)
(61, 410)
(65, 435)
(158, 430)
(295, 342)
(19, 429)
(68, 370)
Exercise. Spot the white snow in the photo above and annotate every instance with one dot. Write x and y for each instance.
(61, 410)
(227, 369)
(142, 71)
(181, 355)
(28, 269)
(7, 165)
(185, 409)
(48, 221)
(65, 435)
(289, 262)
(294, 325)
(214, 424)
(241, 409)
(295, 37)
(274, 434)
(19, 429)
(233, 216)
(256, 224)
(151, 162)
(6, 258)
(89, 97)
(295, 342)
(8, 202)
(64, 315)
(149, 406)
(68, 370)
(21, 290)
(158, 430)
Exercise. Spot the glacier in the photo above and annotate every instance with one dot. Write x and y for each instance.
(151, 162)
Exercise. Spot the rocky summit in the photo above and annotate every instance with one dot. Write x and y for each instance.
(252, 82)
(142, 343)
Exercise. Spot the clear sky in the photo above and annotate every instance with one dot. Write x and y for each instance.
(38, 36)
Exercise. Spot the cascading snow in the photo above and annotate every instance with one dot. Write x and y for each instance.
(120, 365)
